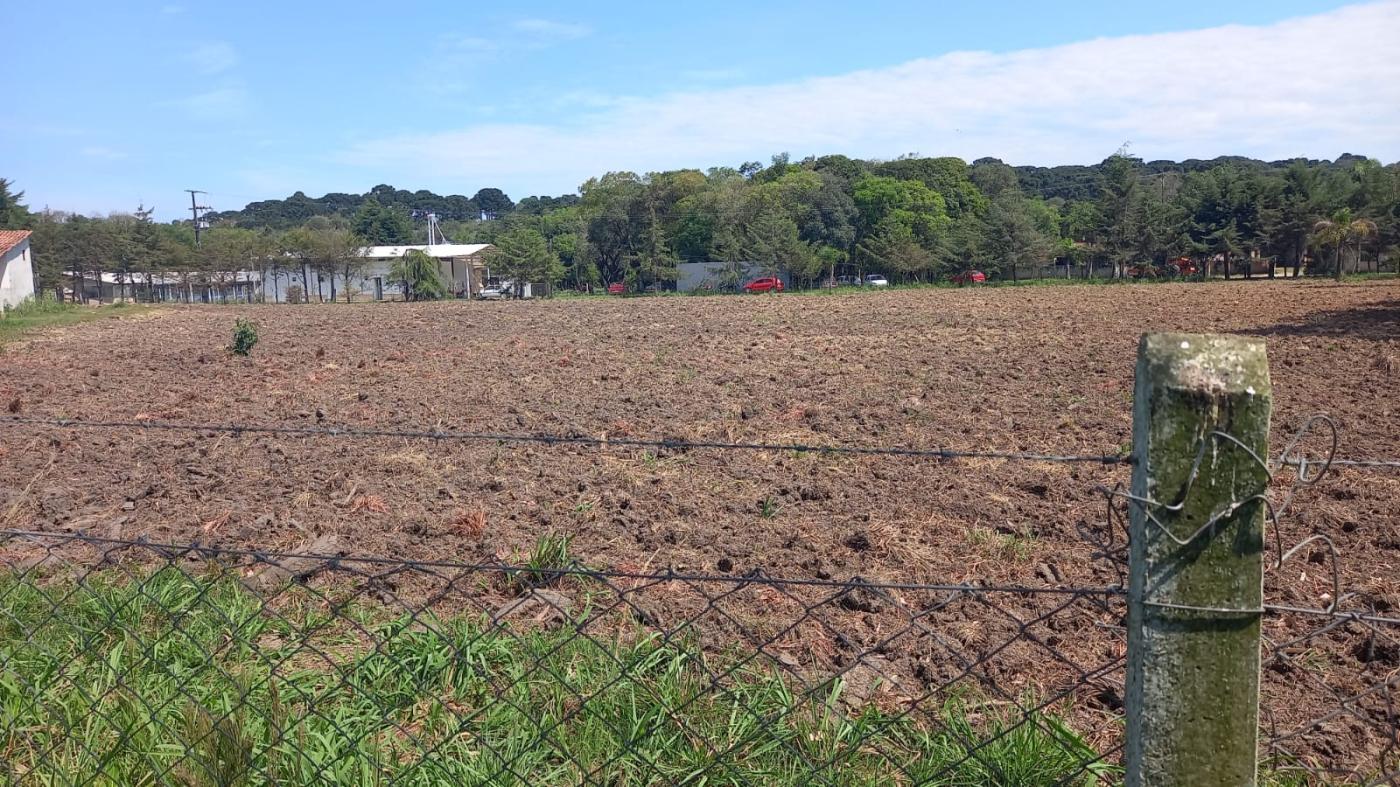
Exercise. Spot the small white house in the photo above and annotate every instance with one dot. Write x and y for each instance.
(16, 268)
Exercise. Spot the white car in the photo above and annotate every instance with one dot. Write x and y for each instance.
(876, 280)
(493, 293)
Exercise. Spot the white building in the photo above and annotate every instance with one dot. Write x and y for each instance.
(463, 266)
(16, 268)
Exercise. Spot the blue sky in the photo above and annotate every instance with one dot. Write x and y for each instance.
(111, 104)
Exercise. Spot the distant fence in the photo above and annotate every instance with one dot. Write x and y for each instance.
(134, 662)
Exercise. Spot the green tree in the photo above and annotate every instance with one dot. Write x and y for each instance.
(14, 214)
(894, 211)
(381, 225)
(614, 214)
(772, 240)
(894, 248)
(493, 202)
(1118, 191)
(1013, 239)
(948, 177)
(654, 260)
(128, 253)
(523, 256)
(230, 252)
(326, 250)
(1339, 231)
(90, 246)
(47, 244)
(420, 276)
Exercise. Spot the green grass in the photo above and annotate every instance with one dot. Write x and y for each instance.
(1372, 276)
(547, 558)
(39, 313)
(165, 679)
(768, 507)
(1016, 547)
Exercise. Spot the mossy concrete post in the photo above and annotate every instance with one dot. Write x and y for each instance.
(1196, 576)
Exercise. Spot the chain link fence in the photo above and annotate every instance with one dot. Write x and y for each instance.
(138, 663)
(126, 661)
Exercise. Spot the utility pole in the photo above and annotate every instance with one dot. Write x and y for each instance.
(195, 208)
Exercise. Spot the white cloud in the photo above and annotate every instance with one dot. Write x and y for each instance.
(549, 29)
(213, 57)
(713, 74)
(460, 61)
(470, 44)
(220, 103)
(1316, 86)
(102, 152)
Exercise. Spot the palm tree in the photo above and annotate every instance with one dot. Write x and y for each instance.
(1339, 231)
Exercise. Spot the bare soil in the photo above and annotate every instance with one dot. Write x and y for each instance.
(1035, 369)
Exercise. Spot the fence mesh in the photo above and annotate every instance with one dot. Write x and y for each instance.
(1330, 696)
(134, 662)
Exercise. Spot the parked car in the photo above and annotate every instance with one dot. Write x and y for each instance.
(494, 292)
(847, 281)
(969, 277)
(876, 280)
(617, 288)
(765, 284)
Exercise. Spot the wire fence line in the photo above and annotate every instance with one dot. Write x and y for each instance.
(665, 443)
(138, 661)
(674, 444)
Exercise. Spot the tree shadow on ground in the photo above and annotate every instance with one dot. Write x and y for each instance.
(1374, 322)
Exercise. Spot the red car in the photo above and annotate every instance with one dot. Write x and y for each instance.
(1183, 266)
(765, 284)
(617, 288)
(970, 277)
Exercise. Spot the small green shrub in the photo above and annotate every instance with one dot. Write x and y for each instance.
(42, 303)
(768, 507)
(547, 559)
(245, 336)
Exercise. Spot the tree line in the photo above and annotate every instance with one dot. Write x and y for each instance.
(914, 219)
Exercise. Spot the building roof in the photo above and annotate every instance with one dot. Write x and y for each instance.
(12, 238)
(441, 251)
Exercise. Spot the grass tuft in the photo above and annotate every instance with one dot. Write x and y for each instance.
(547, 558)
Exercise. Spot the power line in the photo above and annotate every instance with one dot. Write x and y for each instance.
(195, 208)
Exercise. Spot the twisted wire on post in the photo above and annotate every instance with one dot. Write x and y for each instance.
(1362, 695)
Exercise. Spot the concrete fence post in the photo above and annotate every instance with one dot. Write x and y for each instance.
(1196, 574)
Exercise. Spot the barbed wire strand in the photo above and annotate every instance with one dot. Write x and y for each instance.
(675, 444)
